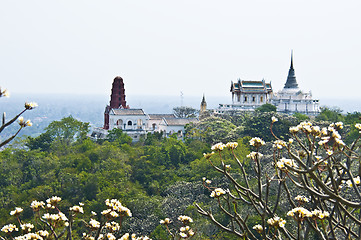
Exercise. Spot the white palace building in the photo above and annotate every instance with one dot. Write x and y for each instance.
(248, 95)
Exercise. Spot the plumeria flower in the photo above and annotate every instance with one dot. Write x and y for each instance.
(17, 211)
(256, 142)
(218, 147)
(274, 119)
(218, 192)
(232, 145)
(30, 105)
(258, 228)
(276, 222)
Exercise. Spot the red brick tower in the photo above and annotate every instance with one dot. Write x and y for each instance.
(117, 99)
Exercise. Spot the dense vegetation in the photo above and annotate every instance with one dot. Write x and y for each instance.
(156, 177)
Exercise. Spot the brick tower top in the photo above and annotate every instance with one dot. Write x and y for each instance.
(117, 98)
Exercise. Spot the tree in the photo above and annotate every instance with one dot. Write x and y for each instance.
(330, 114)
(117, 135)
(67, 130)
(185, 112)
(301, 189)
(267, 108)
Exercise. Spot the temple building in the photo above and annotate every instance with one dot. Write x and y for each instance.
(291, 99)
(135, 122)
(247, 95)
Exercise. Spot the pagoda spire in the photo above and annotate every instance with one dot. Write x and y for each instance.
(291, 78)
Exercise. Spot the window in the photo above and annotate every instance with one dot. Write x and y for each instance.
(130, 123)
(261, 98)
(253, 99)
(245, 99)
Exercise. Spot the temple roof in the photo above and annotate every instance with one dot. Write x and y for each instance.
(160, 116)
(179, 121)
(291, 78)
(117, 111)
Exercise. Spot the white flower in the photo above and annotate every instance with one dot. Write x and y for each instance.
(77, 209)
(254, 155)
(232, 145)
(256, 142)
(218, 192)
(302, 199)
(274, 119)
(299, 213)
(166, 221)
(208, 181)
(9, 228)
(35, 205)
(17, 211)
(258, 228)
(276, 222)
(94, 223)
(30, 105)
(185, 219)
(318, 214)
(218, 147)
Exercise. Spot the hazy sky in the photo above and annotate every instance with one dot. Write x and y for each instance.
(162, 47)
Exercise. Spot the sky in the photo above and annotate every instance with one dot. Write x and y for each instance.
(165, 47)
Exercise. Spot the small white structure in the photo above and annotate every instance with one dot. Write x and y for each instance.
(247, 95)
(291, 99)
(175, 125)
(154, 120)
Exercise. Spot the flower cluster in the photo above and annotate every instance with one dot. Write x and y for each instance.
(232, 145)
(127, 236)
(276, 222)
(30, 105)
(207, 181)
(9, 228)
(274, 119)
(166, 221)
(17, 211)
(356, 181)
(186, 232)
(112, 226)
(4, 93)
(255, 155)
(53, 200)
(208, 155)
(331, 135)
(258, 228)
(185, 219)
(94, 224)
(24, 123)
(256, 142)
(283, 162)
(36, 205)
(217, 192)
(77, 209)
(115, 208)
(299, 213)
(218, 147)
(279, 144)
(27, 227)
(301, 199)
(318, 214)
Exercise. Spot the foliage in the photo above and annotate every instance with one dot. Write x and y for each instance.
(210, 130)
(185, 112)
(267, 108)
(330, 114)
